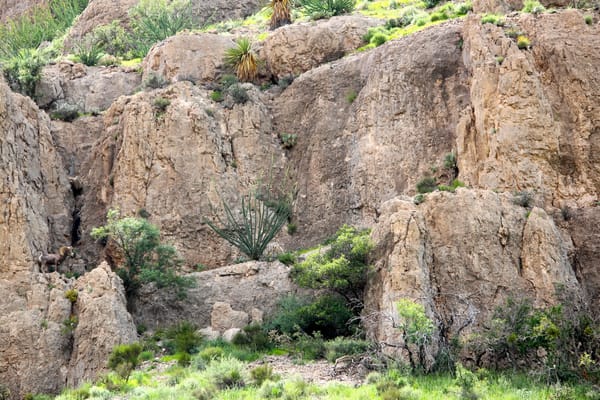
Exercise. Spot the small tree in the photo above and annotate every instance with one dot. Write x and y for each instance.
(417, 330)
(125, 358)
(145, 258)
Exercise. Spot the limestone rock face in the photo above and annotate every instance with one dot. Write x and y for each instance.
(194, 57)
(294, 49)
(88, 89)
(542, 134)
(223, 297)
(461, 255)
(103, 323)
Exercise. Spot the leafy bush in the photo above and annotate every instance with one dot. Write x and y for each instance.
(533, 7)
(426, 185)
(589, 19)
(161, 103)
(216, 96)
(418, 199)
(155, 20)
(243, 60)
(182, 338)
(154, 81)
(65, 112)
(211, 353)
(238, 93)
(523, 42)
(255, 226)
(341, 346)
(261, 374)
(114, 40)
(287, 258)
(124, 359)
(341, 268)
(288, 140)
(145, 258)
(292, 228)
(72, 295)
(317, 9)
(69, 325)
(226, 373)
(23, 70)
(88, 51)
(431, 3)
(254, 337)
(417, 331)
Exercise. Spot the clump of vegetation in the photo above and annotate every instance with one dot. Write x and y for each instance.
(125, 358)
(589, 20)
(216, 96)
(523, 42)
(23, 70)
(154, 81)
(261, 374)
(161, 103)
(146, 260)
(494, 19)
(351, 96)
(417, 332)
(227, 373)
(253, 337)
(318, 9)
(288, 140)
(88, 51)
(243, 60)
(65, 112)
(281, 13)
(287, 258)
(69, 325)
(238, 93)
(342, 346)
(418, 199)
(426, 185)
(523, 199)
(72, 295)
(533, 7)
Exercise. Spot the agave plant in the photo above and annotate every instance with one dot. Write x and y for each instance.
(243, 59)
(281, 13)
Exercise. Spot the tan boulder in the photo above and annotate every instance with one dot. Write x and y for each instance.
(223, 317)
(14, 8)
(197, 57)
(100, 12)
(294, 49)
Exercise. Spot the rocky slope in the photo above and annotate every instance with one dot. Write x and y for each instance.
(369, 125)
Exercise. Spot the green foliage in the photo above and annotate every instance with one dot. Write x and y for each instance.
(341, 346)
(243, 60)
(328, 315)
(255, 225)
(431, 3)
(341, 268)
(417, 330)
(533, 7)
(216, 96)
(161, 103)
(23, 70)
(450, 161)
(4, 392)
(589, 19)
(114, 40)
(292, 228)
(154, 81)
(211, 353)
(523, 199)
(155, 20)
(146, 260)
(88, 51)
(125, 358)
(238, 93)
(426, 185)
(351, 96)
(492, 19)
(261, 373)
(287, 258)
(317, 9)
(254, 337)
(523, 42)
(378, 39)
(226, 373)
(309, 347)
(69, 325)
(183, 338)
(288, 140)
(65, 112)
(72, 295)
(418, 199)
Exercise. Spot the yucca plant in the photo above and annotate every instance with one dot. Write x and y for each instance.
(243, 60)
(281, 13)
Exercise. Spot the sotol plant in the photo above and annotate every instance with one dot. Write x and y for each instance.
(243, 60)
(281, 13)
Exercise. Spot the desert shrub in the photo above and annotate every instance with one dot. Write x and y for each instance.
(288, 140)
(426, 185)
(69, 325)
(341, 346)
(523, 42)
(114, 40)
(4, 392)
(285, 81)
(155, 20)
(254, 337)
(226, 373)
(154, 81)
(439, 16)
(287, 258)
(408, 16)
(261, 374)
(418, 199)
(228, 80)
(417, 330)
(243, 60)
(271, 390)
(431, 3)
(533, 7)
(292, 228)
(589, 19)
(71, 295)
(161, 103)
(523, 199)
(146, 260)
(65, 112)
(309, 347)
(23, 70)
(125, 358)
(238, 93)
(492, 19)
(317, 9)
(88, 51)
(211, 353)
(216, 96)
(378, 39)
(341, 268)
(183, 338)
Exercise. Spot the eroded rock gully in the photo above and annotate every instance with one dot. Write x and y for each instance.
(369, 127)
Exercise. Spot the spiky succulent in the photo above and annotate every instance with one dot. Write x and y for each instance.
(243, 60)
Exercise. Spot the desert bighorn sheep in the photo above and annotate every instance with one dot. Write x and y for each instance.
(54, 259)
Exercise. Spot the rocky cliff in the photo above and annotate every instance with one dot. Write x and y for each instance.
(369, 126)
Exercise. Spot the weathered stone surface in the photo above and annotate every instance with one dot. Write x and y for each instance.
(14, 8)
(294, 49)
(229, 334)
(103, 323)
(196, 57)
(100, 12)
(209, 333)
(542, 133)
(461, 255)
(223, 317)
(88, 89)
(246, 286)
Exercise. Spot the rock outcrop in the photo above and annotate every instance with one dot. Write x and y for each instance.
(14, 8)
(462, 255)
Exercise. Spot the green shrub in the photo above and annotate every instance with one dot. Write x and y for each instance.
(378, 39)
(114, 40)
(426, 185)
(523, 42)
(154, 81)
(523, 199)
(88, 51)
(533, 7)
(271, 390)
(261, 374)
(71, 295)
(211, 353)
(342, 268)
(254, 337)
(417, 330)
(226, 373)
(292, 228)
(492, 19)
(4, 392)
(438, 16)
(23, 70)
(183, 338)
(288, 140)
(125, 358)
(69, 325)
(216, 96)
(340, 347)
(351, 96)
(155, 20)
(238, 93)
(65, 112)
(161, 103)
(418, 199)
(287, 258)
(431, 3)
(309, 347)
(317, 9)
(589, 19)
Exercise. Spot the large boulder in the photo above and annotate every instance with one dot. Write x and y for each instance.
(462, 255)
(294, 49)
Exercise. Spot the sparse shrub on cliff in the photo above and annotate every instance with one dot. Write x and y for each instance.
(23, 70)
(523, 199)
(523, 42)
(146, 260)
(154, 81)
(288, 140)
(492, 19)
(65, 112)
(125, 358)
(72, 295)
(533, 7)
(88, 51)
(317, 9)
(161, 103)
(243, 60)
(69, 325)
(426, 185)
(4, 392)
(589, 19)
(238, 93)
(114, 40)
